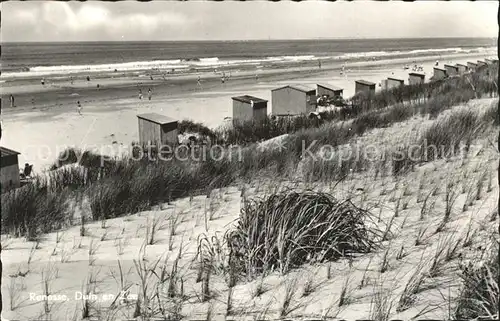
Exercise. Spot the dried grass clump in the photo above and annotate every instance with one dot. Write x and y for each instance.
(34, 209)
(480, 294)
(288, 229)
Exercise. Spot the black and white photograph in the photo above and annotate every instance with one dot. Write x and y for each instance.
(249, 160)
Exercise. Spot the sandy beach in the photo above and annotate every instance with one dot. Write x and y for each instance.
(45, 120)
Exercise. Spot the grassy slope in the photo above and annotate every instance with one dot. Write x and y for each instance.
(435, 218)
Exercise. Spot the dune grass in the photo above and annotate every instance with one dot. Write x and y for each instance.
(479, 298)
(288, 229)
(33, 210)
(447, 137)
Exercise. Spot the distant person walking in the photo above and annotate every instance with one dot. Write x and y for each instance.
(140, 94)
(150, 94)
(79, 107)
(198, 84)
(88, 78)
(319, 64)
(71, 78)
(11, 98)
(256, 77)
(43, 81)
(223, 79)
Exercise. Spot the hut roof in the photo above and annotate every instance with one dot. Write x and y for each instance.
(461, 65)
(303, 88)
(450, 66)
(439, 68)
(471, 63)
(395, 79)
(157, 118)
(332, 87)
(248, 99)
(4, 152)
(416, 74)
(365, 82)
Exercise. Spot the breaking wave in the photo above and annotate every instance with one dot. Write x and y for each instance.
(216, 62)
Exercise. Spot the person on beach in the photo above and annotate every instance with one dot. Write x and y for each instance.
(150, 94)
(151, 77)
(79, 107)
(256, 77)
(222, 79)
(319, 64)
(71, 79)
(88, 78)
(11, 98)
(43, 81)
(98, 87)
(199, 82)
(140, 94)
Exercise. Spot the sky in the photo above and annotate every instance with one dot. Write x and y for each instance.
(197, 20)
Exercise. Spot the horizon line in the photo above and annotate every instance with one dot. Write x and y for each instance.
(243, 40)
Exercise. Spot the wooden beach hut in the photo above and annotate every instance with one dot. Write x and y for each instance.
(416, 78)
(249, 108)
(329, 90)
(293, 100)
(472, 66)
(9, 169)
(394, 82)
(364, 86)
(462, 69)
(439, 73)
(451, 70)
(157, 129)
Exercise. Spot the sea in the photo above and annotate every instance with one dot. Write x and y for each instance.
(43, 59)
